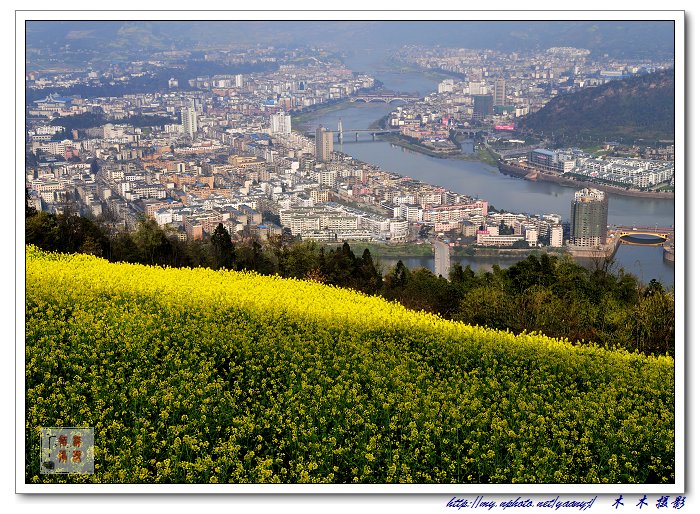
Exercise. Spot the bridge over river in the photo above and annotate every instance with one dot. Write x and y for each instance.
(386, 97)
(341, 133)
(630, 235)
(646, 236)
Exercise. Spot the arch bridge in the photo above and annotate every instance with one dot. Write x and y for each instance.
(661, 234)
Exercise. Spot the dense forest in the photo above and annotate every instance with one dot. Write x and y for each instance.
(640, 107)
(547, 294)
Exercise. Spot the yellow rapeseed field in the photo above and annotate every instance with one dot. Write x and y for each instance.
(201, 376)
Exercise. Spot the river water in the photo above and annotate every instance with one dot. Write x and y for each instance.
(481, 180)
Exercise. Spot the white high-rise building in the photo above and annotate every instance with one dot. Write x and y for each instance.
(189, 121)
(446, 86)
(478, 88)
(280, 123)
(556, 236)
(327, 178)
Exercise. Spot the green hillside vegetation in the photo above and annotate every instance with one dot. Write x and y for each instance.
(544, 293)
(640, 107)
(202, 376)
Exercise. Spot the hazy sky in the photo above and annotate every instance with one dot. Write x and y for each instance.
(628, 38)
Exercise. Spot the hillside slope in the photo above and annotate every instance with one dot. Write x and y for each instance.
(199, 376)
(636, 108)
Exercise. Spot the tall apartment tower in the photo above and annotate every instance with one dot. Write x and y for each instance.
(189, 121)
(281, 123)
(499, 91)
(589, 218)
(324, 144)
(483, 106)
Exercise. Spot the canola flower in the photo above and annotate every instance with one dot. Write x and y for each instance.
(201, 376)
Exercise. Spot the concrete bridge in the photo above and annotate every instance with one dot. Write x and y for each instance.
(660, 232)
(384, 97)
(625, 235)
(340, 135)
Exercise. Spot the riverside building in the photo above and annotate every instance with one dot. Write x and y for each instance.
(589, 218)
(324, 144)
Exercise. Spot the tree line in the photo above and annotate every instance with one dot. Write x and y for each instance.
(548, 294)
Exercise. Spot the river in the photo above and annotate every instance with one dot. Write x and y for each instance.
(484, 181)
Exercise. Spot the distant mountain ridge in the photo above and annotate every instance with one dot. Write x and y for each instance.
(638, 38)
(640, 107)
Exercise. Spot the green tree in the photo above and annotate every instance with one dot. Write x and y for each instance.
(532, 271)
(487, 306)
(299, 259)
(627, 288)
(153, 246)
(223, 249)
(43, 231)
(571, 280)
(198, 254)
(463, 278)
(654, 287)
(340, 266)
(91, 246)
(369, 276)
(652, 322)
(123, 248)
(537, 309)
(427, 292)
(396, 281)
(251, 256)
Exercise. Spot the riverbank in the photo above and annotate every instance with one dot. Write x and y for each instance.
(486, 155)
(522, 253)
(670, 251)
(312, 112)
(540, 176)
(392, 65)
(481, 154)
(379, 250)
(416, 147)
(412, 250)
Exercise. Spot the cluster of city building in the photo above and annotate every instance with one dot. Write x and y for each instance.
(493, 89)
(624, 172)
(317, 193)
(522, 82)
(227, 154)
